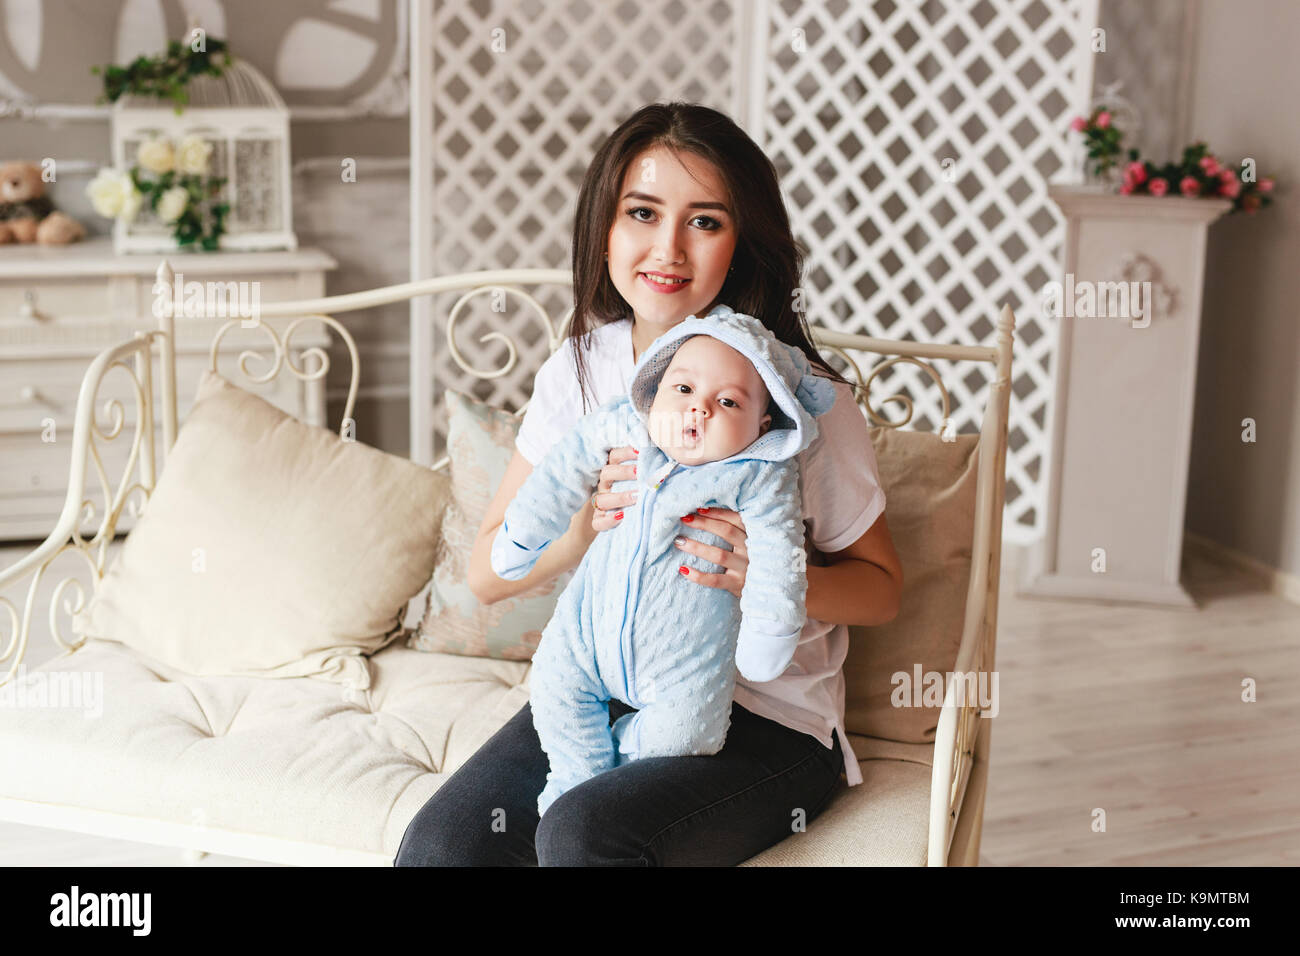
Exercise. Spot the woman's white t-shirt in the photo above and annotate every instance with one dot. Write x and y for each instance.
(842, 498)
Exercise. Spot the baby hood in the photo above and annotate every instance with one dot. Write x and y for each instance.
(800, 396)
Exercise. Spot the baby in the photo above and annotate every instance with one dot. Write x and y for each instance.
(719, 409)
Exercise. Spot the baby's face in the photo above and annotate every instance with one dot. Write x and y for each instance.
(711, 403)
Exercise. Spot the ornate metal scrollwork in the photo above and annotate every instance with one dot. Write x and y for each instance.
(282, 357)
(512, 359)
(15, 629)
(72, 594)
(20, 625)
(114, 498)
(553, 339)
(862, 391)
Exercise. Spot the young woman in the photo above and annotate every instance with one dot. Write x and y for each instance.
(679, 211)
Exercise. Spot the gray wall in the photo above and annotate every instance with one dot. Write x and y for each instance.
(1247, 496)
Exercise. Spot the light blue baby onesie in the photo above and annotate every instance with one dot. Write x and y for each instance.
(625, 625)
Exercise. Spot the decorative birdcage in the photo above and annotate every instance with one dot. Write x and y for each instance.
(1125, 117)
(247, 124)
(1123, 113)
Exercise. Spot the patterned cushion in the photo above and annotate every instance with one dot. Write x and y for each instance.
(480, 442)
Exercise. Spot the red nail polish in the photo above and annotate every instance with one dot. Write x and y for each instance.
(688, 518)
(637, 450)
(634, 469)
(683, 569)
(619, 516)
(704, 511)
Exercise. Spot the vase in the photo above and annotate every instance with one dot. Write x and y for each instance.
(1098, 182)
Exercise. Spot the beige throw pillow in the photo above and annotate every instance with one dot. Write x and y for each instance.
(930, 506)
(270, 548)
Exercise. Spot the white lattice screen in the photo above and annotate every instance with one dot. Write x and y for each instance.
(860, 105)
(915, 142)
(523, 93)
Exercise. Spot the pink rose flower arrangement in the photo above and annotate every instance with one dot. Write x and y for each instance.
(1101, 137)
(1199, 174)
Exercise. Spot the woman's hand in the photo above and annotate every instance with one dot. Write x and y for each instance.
(609, 505)
(735, 563)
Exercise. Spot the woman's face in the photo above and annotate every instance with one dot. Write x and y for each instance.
(675, 220)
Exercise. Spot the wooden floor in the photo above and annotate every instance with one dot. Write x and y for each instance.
(1138, 712)
(1133, 711)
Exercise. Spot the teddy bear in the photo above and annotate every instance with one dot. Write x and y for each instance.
(27, 214)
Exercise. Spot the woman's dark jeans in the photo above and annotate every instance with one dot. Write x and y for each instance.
(767, 782)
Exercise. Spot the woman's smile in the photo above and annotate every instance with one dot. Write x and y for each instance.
(662, 285)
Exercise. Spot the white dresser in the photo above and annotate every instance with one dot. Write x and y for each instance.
(60, 306)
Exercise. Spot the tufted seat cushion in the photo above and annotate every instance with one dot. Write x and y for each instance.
(299, 759)
(311, 762)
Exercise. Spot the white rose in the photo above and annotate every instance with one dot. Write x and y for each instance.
(192, 156)
(131, 202)
(106, 192)
(172, 203)
(156, 155)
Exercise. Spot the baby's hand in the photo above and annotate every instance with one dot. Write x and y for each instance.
(513, 559)
(610, 506)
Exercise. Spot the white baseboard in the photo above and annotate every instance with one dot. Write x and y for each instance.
(1284, 585)
(1034, 581)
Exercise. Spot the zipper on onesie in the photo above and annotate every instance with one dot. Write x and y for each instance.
(635, 572)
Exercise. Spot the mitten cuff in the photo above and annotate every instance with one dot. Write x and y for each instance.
(763, 650)
(510, 559)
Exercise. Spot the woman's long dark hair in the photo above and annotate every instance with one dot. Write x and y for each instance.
(767, 266)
